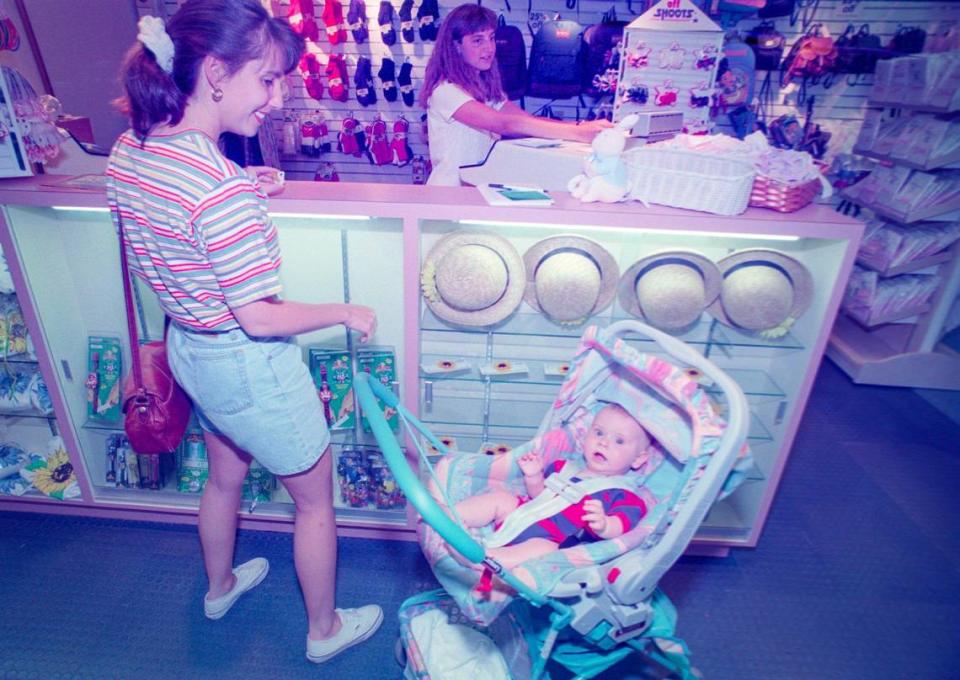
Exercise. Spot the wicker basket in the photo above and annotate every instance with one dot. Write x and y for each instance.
(686, 179)
(769, 193)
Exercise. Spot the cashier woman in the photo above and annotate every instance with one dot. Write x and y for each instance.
(467, 109)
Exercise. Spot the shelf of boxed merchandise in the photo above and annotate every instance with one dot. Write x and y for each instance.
(902, 346)
(368, 247)
(880, 352)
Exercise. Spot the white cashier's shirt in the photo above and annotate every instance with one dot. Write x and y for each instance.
(452, 143)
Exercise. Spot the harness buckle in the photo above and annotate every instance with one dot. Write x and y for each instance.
(566, 489)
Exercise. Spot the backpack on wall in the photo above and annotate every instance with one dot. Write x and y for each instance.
(776, 8)
(812, 56)
(859, 51)
(511, 59)
(602, 58)
(767, 45)
(556, 60)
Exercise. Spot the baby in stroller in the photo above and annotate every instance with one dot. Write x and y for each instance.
(614, 444)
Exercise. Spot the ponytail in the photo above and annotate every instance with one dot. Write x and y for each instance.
(152, 96)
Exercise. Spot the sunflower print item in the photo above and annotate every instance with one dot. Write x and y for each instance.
(52, 475)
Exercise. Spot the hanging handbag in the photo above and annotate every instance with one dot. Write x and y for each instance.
(908, 40)
(156, 410)
(859, 52)
(767, 45)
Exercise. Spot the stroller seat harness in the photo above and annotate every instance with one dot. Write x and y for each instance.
(561, 489)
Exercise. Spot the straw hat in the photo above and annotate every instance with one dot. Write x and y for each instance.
(472, 278)
(669, 289)
(763, 290)
(569, 278)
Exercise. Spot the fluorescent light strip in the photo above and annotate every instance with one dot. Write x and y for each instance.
(305, 216)
(76, 208)
(642, 230)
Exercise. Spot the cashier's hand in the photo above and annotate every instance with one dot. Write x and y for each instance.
(588, 129)
(361, 319)
(269, 179)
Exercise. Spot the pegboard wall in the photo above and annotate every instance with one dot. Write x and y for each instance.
(839, 108)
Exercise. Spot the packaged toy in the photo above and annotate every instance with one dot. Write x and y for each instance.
(103, 378)
(381, 364)
(333, 376)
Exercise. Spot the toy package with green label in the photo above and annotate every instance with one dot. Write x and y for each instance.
(333, 376)
(103, 378)
(192, 467)
(259, 484)
(380, 362)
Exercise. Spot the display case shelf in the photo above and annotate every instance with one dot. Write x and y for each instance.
(908, 267)
(890, 317)
(946, 211)
(753, 382)
(706, 331)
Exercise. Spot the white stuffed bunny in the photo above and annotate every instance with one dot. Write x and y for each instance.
(605, 175)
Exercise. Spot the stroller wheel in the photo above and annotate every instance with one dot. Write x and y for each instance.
(399, 653)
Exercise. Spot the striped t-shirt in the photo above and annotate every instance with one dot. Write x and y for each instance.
(196, 227)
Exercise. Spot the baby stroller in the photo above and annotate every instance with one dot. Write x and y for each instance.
(585, 607)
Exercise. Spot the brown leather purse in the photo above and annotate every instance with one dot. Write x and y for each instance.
(156, 410)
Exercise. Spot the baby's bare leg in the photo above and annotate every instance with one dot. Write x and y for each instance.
(484, 508)
(509, 556)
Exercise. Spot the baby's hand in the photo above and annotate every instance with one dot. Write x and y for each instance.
(530, 464)
(594, 516)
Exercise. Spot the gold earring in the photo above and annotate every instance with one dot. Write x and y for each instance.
(217, 94)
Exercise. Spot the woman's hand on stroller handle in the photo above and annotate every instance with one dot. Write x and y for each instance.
(361, 319)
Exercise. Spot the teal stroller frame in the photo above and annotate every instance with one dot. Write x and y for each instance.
(594, 615)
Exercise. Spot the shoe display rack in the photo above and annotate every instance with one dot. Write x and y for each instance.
(369, 250)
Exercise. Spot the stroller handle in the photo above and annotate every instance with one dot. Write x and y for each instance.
(408, 481)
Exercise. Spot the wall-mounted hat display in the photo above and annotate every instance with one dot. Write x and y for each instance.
(569, 278)
(472, 278)
(669, 289)
(763, 290)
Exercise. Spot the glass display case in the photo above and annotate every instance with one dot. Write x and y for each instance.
(69, 258)
(368, 248)
(473, 410)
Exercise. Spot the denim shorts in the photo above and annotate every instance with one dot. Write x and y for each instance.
(256, 391)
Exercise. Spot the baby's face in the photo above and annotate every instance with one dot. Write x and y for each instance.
(614, 444)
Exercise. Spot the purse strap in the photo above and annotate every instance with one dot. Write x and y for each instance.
(128, 302)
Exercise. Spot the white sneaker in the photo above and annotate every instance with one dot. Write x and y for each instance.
(249, 575)
(357, 625)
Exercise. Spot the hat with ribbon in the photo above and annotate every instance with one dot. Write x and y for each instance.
(472, 278)
(569, 278)
(763, 290)
(669, 289)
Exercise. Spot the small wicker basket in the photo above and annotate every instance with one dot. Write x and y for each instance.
(769, 193)
(686, 179)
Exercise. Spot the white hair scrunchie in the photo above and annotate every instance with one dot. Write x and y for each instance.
(156, 39)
